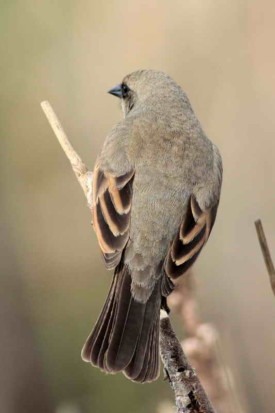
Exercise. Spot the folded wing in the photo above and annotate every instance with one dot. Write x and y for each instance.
(112, 198)
(190, 239)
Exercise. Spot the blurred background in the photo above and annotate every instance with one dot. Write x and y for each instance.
(53, 282)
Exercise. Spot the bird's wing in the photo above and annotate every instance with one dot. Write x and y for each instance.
(112, 198)
(193, 233)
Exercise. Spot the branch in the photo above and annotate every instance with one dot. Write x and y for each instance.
(266, 253)
(189, 394)
(202, 347)
(84, 176)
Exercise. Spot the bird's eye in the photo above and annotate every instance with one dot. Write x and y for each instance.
(125, 90)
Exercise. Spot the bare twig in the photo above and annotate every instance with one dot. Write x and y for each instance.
(189, 394)
(202, 347)
(81, 171)
(266, 253)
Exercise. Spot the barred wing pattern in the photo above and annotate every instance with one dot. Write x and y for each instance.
(112, 198)
(190, 239)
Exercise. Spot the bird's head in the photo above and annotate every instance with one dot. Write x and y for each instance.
(148, 90)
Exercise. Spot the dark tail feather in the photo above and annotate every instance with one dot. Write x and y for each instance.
(148, 341)
(97, 336)
(126, 335)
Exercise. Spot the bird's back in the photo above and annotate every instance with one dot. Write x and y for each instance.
(165, 174)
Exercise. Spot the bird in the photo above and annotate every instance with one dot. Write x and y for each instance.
(156, 190)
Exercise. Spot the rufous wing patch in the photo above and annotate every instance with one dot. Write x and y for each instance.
(112, 197)
(190, 239)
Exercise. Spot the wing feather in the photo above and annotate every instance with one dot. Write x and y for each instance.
(112, 198)
(190, 239)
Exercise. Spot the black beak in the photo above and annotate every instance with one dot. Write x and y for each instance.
(116, 91)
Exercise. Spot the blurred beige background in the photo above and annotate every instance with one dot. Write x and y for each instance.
(53, 282)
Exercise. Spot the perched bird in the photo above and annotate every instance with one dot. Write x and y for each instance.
(156, 190)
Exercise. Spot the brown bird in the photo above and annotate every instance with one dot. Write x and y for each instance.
(156, 191)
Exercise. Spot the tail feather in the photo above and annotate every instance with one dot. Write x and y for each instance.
(99, 329)
(145, 343)
(137, 363)
(127, 328)
(155, 364)
(126, 335)
(148, 360)
(150, 367)
(103, 346)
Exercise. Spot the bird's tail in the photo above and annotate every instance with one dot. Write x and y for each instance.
(126, 335)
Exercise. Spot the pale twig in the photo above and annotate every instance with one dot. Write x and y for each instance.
(189, 394)
(81, 171)
(266, 253)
